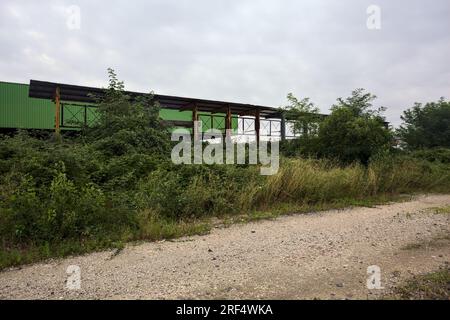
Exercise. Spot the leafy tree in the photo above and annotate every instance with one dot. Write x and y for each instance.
(127, 123)
(354, 131)
(304, 113)
(360, 104)
(426, 126)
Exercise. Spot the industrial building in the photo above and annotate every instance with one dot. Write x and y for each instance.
(54, 106)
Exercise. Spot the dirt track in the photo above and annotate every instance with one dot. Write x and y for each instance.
(318, 255)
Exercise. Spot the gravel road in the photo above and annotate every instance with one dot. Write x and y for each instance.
(318, 255)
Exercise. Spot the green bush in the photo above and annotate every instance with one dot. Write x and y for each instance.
(354, 131)
(426, 126)
(441, 155)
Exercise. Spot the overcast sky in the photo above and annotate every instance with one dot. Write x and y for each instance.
(243, 51)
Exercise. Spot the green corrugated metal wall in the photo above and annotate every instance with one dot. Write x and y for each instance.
(17, 110)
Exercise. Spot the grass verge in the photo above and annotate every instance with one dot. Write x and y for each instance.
(431, 286)
(153, 230)
(441, 210)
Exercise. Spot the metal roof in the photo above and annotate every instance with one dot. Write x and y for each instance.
(75, 93)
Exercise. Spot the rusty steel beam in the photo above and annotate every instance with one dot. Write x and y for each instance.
(257, 126)
(194, 119)
(228, 124)
(57, 111)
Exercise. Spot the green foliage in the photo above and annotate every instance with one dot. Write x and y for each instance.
(127, 124)
(354, 131)
(441, 155)
(304, 114)
(199, 190)
(303, 146)
(359, 104)
(426, 126)
(345, 136)
(81, 188)
(430, 286)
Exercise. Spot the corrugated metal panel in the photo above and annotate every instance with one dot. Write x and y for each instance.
(167, 114)
(17, 110)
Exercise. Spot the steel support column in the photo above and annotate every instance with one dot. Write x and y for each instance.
(283, 127)
(228, 123)
(57, 111)
(194, 120)
(257, 126)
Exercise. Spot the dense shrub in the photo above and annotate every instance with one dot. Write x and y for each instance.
(303, 146)
(60, 210)
(350, 138)
(354, 131)
(426, 126)
(441, 155)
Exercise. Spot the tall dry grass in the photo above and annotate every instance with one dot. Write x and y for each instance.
(310, 181)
